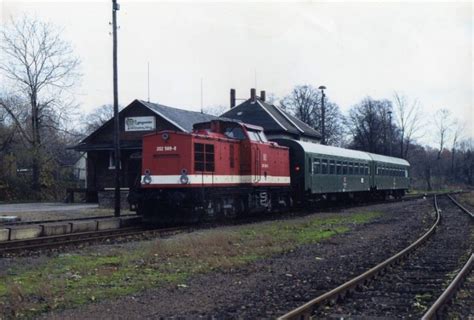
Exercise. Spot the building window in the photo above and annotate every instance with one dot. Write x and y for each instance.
(204, 157)
(112, 160)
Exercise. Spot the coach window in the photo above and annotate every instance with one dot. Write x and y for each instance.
(350, 167)
(316, 166)
(338, 167)
(366, 166)
(324, 169)
(356, 168)
(332, 167)
(310, 167)
(344, 167)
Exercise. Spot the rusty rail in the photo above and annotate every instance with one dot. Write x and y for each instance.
(304, 312)
(444, 298)
(435, 309)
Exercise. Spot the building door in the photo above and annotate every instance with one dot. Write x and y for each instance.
(134, 169)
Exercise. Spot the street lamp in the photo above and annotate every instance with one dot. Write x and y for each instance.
(390, 132)
(323, 114)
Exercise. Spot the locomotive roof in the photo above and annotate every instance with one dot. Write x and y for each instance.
(223, 119)
(349, 153)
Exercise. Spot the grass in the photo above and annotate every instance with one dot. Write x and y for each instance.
(71, 280)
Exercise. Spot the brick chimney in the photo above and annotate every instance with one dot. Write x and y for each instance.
(253, 94)
(263, 95)
(232, 98)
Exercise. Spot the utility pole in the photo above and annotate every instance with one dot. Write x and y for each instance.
(323, 115)
(115, 8)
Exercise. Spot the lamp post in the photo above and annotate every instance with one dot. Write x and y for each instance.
(323, 115)
(390, 132)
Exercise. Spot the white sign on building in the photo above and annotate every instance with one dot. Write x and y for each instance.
(140, 123)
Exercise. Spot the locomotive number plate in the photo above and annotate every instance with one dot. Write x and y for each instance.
(166, 148)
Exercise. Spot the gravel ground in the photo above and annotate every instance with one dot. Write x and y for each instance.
(272, 286)
(408, 289)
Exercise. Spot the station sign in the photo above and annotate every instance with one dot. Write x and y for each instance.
(140, 123)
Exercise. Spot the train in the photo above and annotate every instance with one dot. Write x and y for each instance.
(226, 168)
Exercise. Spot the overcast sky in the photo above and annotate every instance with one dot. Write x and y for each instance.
(355, 49)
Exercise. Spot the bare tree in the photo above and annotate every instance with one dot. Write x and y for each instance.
(442, 122)
(41, 67)
(457, 131)
(215, 110)
(97, 117)
(369, 125)
(304, 102)
(408, 118)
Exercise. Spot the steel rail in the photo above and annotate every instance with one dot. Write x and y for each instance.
(461, 206)
(444, 298)
(305, 311)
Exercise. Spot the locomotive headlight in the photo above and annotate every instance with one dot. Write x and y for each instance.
(147, 177)
(184, 179)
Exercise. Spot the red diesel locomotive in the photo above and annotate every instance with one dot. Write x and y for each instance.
(223, 168)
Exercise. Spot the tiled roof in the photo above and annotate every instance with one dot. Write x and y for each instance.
(183, 119)
(271, 118)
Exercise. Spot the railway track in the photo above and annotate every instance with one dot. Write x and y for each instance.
(408, 283)
(83, 237)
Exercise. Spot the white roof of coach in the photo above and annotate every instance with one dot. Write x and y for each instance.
(348, 153)
(391, 160)
(333, 151)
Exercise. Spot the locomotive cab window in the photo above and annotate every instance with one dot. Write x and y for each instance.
(234, 133)
(203, 157)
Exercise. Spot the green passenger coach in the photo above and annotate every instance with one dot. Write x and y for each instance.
(320, 172)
